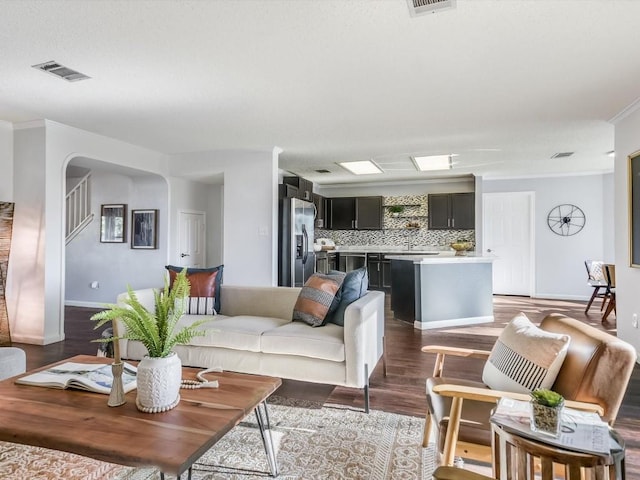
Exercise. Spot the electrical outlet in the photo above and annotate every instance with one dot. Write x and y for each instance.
(634, 320)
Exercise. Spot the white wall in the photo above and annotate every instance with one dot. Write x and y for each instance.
(6, 161)
(116, 265)
(195, 196)
(41, 153)
(215, 225)
(559, 264)
(250, 210)
(627, 141)
(25, 280)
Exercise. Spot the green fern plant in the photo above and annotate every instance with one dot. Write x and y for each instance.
(156, 331)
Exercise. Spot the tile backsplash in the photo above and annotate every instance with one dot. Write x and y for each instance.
(395, 232)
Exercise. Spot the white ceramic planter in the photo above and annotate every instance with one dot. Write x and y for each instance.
(159, 383)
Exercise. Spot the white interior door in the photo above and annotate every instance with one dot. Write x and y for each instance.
(508, 234)
(192, 241)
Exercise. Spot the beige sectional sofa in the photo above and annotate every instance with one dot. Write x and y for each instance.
(254, 333)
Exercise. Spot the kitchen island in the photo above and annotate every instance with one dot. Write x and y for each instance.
(443, 290)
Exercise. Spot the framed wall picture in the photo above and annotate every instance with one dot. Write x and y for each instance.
(113, 223)
(144, 229)
(634, 209)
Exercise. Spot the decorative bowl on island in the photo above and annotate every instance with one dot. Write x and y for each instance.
(461, 247)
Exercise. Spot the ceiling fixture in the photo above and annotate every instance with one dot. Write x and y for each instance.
(422, 7)
(432, 162)
(562, 154)
(364, 167)
(60, 71)
(323, 170)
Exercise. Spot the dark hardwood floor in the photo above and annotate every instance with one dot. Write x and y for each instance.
(403, 389)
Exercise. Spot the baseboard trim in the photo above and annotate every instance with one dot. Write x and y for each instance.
(554, 296)
(454, 322)
(79, 303)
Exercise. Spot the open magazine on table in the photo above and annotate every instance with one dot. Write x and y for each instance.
(93, 377)
(580, 431)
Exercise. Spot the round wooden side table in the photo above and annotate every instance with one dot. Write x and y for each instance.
(516, 457)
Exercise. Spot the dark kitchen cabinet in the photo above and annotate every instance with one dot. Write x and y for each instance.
(320, 202)
(304, 186)
(379, 271)
(451, 211)
(341, 213)
(368, 213)
(355, 213)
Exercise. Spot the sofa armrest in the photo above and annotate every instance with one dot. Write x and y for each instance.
(363, 332)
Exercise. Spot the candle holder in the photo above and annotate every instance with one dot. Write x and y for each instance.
(116, 397)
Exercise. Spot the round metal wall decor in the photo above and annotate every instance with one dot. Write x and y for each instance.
(566, 219)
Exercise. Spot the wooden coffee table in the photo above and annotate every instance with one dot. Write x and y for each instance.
(81, 422)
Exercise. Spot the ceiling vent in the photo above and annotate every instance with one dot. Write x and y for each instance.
(60, 71)
(323, 170)
(422, 7)
(562, 154)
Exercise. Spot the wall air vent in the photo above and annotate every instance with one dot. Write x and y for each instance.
(323, 170)
(60, 71)
(422, 7)
(562, 154)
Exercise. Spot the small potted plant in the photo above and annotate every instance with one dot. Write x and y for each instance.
(396, 210)
(159, 372)
(546, 411)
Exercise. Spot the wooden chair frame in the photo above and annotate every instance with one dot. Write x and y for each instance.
(459, 393)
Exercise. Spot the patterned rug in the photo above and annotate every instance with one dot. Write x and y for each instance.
(332, 442)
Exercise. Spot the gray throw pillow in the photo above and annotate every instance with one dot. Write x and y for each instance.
(353, 287)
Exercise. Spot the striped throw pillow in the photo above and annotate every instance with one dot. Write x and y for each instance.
(525, 357)
(315, 298)
(200, 306)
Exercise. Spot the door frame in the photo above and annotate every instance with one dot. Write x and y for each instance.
(532, 231)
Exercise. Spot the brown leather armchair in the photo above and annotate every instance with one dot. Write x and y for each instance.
(593, 376)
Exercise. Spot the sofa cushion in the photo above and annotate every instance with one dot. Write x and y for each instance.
(239, 333)
(315, 298)
(525, 357)
(205, 282)
(354, 286)
(297, 338)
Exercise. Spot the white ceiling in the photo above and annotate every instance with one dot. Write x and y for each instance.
(504, 84)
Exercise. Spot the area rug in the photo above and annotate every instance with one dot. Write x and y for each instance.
(332, 442)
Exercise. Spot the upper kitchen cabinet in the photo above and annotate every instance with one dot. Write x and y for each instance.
(320, 202)
(369, 213)
(354, 213)
(451, 211)
(341, 212)
(304, 186)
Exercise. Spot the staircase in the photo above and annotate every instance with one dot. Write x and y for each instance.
(78, 208)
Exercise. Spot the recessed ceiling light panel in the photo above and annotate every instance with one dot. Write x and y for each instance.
(432, 162)
(364, 167)
(60, 71)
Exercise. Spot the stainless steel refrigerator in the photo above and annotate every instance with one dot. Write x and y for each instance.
(296, 258)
